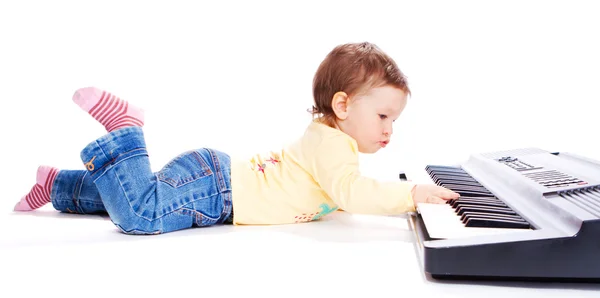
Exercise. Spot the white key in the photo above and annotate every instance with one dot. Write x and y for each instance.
(442, 222)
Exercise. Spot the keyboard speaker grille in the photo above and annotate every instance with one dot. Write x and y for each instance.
(587, 199)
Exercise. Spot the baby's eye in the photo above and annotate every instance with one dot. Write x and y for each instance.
(382, 116)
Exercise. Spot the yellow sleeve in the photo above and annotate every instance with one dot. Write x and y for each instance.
(337, 172)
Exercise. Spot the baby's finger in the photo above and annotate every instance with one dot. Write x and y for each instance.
(453, 195)
(435, 200)
(447, 194)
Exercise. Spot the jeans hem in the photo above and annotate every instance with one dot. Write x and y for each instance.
(111, 148)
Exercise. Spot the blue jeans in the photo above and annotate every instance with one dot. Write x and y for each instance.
(192, 190)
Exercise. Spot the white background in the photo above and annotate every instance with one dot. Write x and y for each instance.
(237, 76)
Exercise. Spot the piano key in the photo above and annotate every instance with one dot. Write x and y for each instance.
(465, 187)
(465, 183)
(456, 182)
(485, 208)
(468, 215)
(478, 198)
(479, 205)
(497, 203)
(495, 223)
(478, 194)
(448, 179)
(443, 223)
(445, 168)
(491, 198)
(472, 193)
(464, 208)
(448, 173)
(437, 178)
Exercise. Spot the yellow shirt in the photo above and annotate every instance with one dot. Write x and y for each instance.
(312, 177)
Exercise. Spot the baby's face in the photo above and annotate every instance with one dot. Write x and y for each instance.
(370, 117)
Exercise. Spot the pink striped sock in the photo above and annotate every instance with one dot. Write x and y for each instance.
(39, 195)
(111, 111)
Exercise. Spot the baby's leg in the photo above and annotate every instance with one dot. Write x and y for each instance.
(189, 191)
(69, 191)
(39, 195)
(111, 111)
(75, 192)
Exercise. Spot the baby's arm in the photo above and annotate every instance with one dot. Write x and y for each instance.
(337, 172)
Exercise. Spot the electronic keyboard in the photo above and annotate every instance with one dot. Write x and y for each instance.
(522, 214)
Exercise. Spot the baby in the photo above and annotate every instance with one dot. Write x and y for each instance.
(358, 93)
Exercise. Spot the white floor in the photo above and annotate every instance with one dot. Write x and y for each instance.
(84, 256)
(484, 76)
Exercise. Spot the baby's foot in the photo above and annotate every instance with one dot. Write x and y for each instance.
(40, 192)
(112, 112)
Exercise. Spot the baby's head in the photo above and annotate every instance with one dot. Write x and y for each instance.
(360, 90)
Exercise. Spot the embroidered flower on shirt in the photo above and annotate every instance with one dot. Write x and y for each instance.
(260, 167)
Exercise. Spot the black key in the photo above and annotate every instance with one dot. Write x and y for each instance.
(448, 173)
(459, 202)
(468, 215)
(437, 178)
(480, 193)
(464, 183)
(465, 187)
(443, 168)
(481, 198)
(495, 223)
(476, 199)
(455, 184)
(493, 198)
(472, 208)
(473, 193)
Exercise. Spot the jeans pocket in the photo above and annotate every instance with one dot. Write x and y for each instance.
(203, 219)
(184, 169)
(200, 217)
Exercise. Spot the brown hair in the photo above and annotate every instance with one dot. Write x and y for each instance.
(353, 68)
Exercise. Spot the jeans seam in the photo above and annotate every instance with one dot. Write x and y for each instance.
(129, 201)
(221, 185)
(203, 164)
(198, 216)
(134, 211)
(81, 187)
(74, 197)
(217, 170)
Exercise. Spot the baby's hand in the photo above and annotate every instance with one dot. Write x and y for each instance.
(431, 193)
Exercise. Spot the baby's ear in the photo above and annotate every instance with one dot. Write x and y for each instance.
(339, 104)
